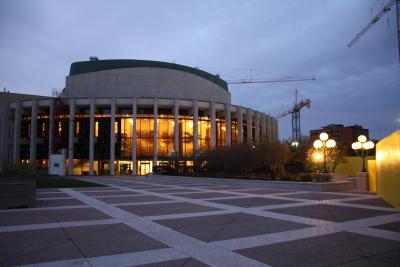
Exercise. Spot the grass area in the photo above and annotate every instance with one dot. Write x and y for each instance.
(63, 182)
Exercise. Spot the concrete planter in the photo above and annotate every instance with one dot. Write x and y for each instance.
(18, 192)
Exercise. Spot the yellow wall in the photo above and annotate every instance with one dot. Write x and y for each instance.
(388, 168)
(352, 165)
(372, 175)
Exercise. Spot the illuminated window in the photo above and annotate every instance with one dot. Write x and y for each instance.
(165, 135)
(59, 128)
(96, 131)
(185, 136)
(204, 133)
(221, 132)
(234, 133)
(126, 137)
(77, 128)
(144, 136)
(43, 129)
(116, 127)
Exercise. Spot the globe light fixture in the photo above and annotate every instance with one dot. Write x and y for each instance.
(361, 148)
(326, 145)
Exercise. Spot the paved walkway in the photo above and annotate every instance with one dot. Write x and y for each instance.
(167, 221)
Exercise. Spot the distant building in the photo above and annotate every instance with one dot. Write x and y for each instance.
(341, 134)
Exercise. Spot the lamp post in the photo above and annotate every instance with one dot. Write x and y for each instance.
(326, 145)
(361, 148)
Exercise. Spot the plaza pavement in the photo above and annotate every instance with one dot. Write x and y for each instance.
(170, 221)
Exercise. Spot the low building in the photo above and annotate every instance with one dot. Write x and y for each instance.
(120, 117)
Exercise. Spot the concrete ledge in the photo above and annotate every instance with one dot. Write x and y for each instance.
(17, 192)
(302, 186)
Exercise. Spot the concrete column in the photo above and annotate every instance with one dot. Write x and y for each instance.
(91, 135)
(112, 138)
(213, 125)
(239, 118)
(269, 132)
(263, 128)
(51, 132)
(228, 131)
(176, 126)
(272, 129)
(195, 126)
(257, 126)
(134, 115)
(4, 130)
(155, 147)
(71, 136)
(33, 141)
(249, 119)
(17, 132)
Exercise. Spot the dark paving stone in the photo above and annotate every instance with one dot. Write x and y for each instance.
(262, 191)
(252, 201)
(394, 227)
(318, 196)
(25, 217)
(205, 195)
(332, 213)
(51, 194)
(111, 193)
(146, 187)
(371, 202)
(28, 247)
(173, 190)
(100, 240)
(81, 214)
(167, 208)
(327, 250)
(188, 262)
(386, 259)
(131, 199)
(58, 202)
(228, 226)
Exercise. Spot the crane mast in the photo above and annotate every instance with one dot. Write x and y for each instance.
(295, 111)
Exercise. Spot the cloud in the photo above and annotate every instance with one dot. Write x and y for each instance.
(237, 39)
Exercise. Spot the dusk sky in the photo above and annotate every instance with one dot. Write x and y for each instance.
(236, 39)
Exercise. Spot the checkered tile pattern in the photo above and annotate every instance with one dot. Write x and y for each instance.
(173, 221)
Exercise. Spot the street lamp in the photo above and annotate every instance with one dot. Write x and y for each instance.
(361, 148)
(326, 145)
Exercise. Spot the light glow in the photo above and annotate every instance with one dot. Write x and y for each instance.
(317, 144)
(368, 145)
(323, 136)
(362, 138)
(330, 143)
(317, 157)
(356, 146)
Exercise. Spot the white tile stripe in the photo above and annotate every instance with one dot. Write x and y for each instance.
(202, 251)
(323, 226)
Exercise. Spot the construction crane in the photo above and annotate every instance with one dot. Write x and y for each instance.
(273, 80)
(376, 18)
(297, 106)
(295, 111)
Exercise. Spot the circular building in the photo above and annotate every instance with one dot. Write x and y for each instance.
(118, 117)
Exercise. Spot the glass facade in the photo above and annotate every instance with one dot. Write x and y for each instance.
(204, 133)
(123, 133)
(185, 136)
(165, 135)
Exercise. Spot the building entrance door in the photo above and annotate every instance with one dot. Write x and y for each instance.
(145, 167)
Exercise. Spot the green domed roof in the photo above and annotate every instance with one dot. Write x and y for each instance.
(109, 64)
